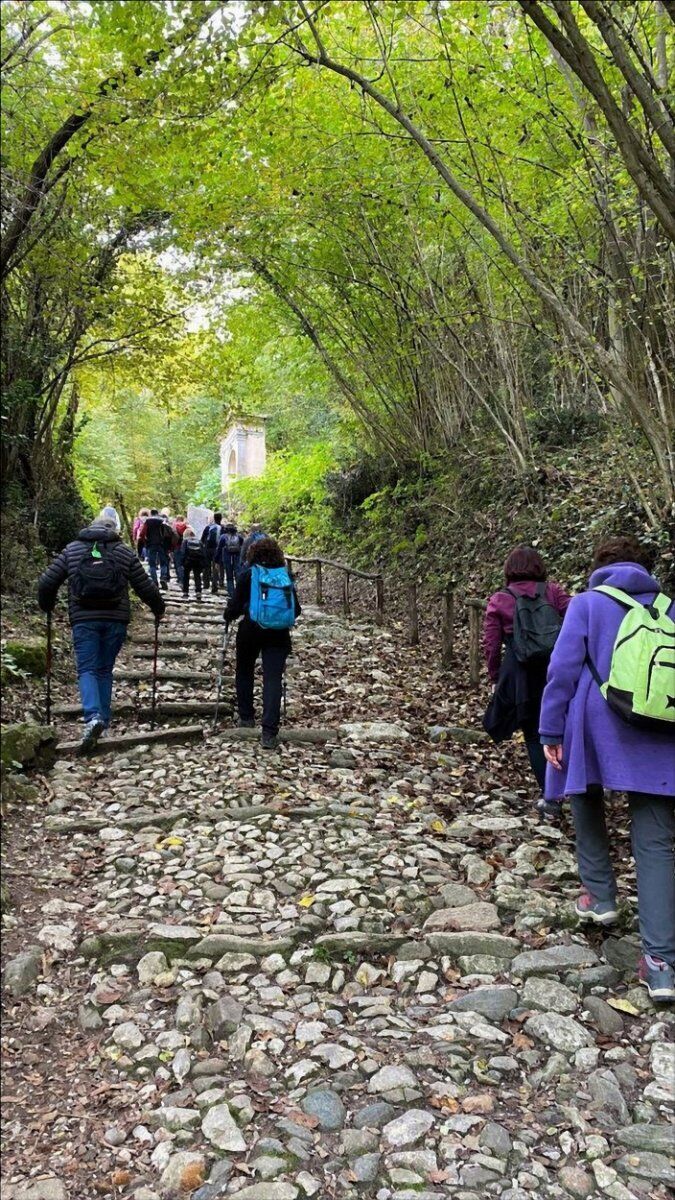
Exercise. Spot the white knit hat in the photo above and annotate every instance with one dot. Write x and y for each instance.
(108, 516)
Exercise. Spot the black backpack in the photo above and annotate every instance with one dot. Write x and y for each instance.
(98, 581)
(536, 626)
(194, 551)
(232, 543)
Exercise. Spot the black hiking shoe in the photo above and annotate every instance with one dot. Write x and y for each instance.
(164, 585)
(245, 724)
(268, 740)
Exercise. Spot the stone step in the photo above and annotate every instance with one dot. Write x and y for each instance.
(123, 741)
(166, 709)
(148, 652)
(172, 675)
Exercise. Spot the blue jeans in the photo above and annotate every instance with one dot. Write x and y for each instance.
(231, 564)
(157, 556)
(652, 829)
(97, 644)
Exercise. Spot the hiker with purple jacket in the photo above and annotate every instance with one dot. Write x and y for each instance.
(519, 685)
(589, 747)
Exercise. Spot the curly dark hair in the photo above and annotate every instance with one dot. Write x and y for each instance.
(524, 563)
(622, 548)
(266, 552)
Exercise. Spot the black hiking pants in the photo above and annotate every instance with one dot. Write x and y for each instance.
(249, 647)
(195, 569)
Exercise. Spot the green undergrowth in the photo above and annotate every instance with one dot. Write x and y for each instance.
(449, 520)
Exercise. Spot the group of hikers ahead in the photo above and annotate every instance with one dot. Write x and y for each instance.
(99, 568)
(213, 560)
(589, 680)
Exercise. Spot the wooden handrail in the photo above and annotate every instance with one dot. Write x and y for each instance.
(327, 562)
(347, 573)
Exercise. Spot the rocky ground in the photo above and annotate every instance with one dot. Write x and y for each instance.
(345, 970)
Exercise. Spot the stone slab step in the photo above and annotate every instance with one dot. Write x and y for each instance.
(172, 675)
(123, 741)
(166, 709)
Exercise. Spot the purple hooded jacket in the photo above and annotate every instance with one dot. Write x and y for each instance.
(598, 746)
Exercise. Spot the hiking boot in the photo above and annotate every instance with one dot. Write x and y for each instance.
(657, 977)
(245, 724)
(92, 732)
(595, 912)
(268, 740)
(549, 810)
(198, 598)
(164, 585)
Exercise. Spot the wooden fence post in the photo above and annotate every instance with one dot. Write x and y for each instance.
(413, 616)
(346, 607)
(474, 643)
(319, 582)
(379, 600)
(448, 626)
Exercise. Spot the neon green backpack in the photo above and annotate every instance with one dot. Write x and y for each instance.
(641, 684)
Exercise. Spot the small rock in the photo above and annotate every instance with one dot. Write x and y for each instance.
(373, 1116)
(151, 965)
(559, 1031)
(491, 1002)
(479, 916)
(496, 1138)
(553, 960)
(393, 1079)
(37, 1189)
(326, 1106)
(548, 995)
(21, 972)
(128, 1036)
(659, 1138)
(408, 1128)
(644, 1164)
(604, 1017)
(577, 1182)
(223, 1017)
(183, 1173)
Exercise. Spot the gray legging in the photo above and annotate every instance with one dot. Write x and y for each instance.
(653, 842)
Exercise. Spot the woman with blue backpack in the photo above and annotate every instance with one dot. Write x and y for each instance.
(266, 600)
(608, 721)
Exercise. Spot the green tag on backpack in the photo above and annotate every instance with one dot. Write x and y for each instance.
(96, 553)
(641, 684)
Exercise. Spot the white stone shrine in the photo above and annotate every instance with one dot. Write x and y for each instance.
(242, 453)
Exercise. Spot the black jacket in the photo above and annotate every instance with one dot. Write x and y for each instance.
(65, 565)
(153, 532)
(237, 606)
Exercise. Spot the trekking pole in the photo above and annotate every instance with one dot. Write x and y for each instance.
(221, 672)
(48, 698)
(155, 651)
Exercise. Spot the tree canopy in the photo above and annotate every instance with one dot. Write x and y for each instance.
(404, 228)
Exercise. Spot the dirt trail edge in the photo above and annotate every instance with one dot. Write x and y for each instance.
(346, 969)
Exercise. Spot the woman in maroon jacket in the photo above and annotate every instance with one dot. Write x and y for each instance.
(518, 689)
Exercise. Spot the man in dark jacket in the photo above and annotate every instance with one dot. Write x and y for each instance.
(154, 538)
(210, 539)
(227, 556)
(99, 610)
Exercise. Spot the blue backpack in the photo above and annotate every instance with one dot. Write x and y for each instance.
(272, 604)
